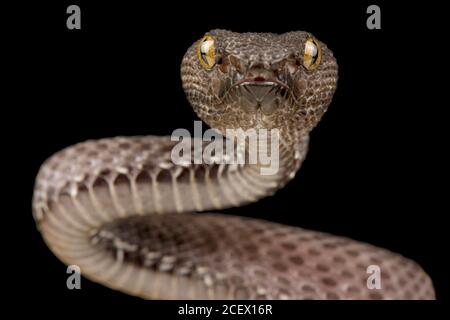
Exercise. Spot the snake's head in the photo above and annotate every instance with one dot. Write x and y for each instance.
(259, 80)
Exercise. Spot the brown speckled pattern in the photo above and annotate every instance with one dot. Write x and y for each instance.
(276, 262)
(122, 211)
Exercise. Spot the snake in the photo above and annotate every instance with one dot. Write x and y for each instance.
(135, 221)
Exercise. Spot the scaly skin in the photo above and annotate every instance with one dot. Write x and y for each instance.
(124, 212)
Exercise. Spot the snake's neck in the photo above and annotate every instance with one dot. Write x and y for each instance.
(272, 157)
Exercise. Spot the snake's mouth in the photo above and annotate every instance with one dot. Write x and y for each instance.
(261, 93)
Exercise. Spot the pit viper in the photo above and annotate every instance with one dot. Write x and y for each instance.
(133, 220)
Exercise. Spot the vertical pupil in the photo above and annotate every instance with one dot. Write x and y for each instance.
(203, 54)
(205, 51)
(314, 56)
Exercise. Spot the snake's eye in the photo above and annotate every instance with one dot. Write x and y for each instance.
(206, 52)
(312, 54)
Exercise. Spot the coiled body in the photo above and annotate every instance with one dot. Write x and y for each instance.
(122, 211)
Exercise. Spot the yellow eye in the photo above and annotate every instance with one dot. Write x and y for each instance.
(206, 52)
(312, 54)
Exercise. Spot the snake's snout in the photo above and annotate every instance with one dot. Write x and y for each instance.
(260, 89)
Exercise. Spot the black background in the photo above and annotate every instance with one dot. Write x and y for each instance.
(372, 171)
